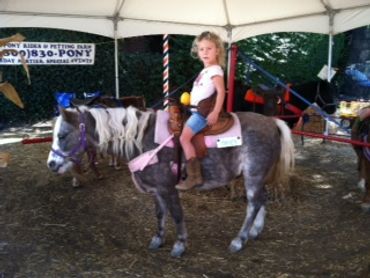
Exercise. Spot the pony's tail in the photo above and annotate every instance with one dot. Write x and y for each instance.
(286, 161)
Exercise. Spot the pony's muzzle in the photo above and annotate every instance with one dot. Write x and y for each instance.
(53, 166)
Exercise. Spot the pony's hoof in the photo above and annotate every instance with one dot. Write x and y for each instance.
(365, 207)
(75, 183)
(156, 243)
(362, 185)
(253, 233)
(178, 249)
(236, 245)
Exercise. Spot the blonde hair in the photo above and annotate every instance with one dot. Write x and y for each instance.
(221, 58)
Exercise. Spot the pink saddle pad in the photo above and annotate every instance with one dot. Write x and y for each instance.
(162, 132)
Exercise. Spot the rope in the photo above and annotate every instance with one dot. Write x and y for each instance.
(276, 80)
(175, 91)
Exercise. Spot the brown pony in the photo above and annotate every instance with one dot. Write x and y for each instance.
(361, 132)
(91, 153)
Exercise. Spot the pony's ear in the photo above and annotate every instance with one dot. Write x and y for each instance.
(67, 116)
(62, 112)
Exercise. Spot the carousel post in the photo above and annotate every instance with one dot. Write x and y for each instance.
(166, 69)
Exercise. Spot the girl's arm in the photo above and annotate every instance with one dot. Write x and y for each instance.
(218, 81)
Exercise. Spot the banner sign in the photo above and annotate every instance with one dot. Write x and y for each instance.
(49, 53)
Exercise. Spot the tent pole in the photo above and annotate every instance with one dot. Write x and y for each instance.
(116, 58)
(326, 125)
(330, 55)
(331, 42)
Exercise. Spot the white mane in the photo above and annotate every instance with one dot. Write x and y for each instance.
(122, 129)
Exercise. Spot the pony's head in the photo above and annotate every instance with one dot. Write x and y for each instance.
(118, 131)
(325, 96)
(69, 140)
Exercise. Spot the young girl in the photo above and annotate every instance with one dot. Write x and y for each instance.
(209, 48)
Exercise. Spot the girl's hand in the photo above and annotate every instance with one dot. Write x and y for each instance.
(212, 118)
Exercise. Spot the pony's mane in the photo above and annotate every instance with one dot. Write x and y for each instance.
(121, 129)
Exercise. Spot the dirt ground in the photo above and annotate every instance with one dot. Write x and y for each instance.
(50, 229)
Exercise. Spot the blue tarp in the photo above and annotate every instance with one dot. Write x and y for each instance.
(358, 77)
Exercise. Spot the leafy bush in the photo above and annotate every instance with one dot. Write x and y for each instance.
(291, 57)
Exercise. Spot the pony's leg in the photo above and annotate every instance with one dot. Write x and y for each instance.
(361, 184)
(176, 211)
(365, 175)
(117, 165)
(75, 182)
(161, 213)
(233, 194)
(365, 205)
(169, 201)
(111, 160)
(114, 162)
(77, 176)
(93, 162)
(256, 206)
(258, 223)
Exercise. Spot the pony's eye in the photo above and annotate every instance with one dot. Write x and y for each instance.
(62, 136)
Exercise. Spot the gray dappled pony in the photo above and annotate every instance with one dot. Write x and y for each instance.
(265, 157)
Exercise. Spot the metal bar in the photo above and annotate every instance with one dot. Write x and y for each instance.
(331, 138)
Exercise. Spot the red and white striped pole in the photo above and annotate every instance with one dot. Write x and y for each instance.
(166, 69)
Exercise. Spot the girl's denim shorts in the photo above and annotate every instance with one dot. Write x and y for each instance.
(196, 122)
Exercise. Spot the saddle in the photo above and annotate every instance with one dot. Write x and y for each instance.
(178, 116)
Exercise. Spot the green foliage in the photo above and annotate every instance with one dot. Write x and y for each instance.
(183, 67)
(141, 75)
(292, 57)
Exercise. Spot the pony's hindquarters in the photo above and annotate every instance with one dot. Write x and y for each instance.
(268, 156)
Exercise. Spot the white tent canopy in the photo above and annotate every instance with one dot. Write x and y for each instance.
(232, 19)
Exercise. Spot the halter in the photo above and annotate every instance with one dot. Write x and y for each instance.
(81, 146)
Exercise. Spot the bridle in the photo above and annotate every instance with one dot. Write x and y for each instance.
(318, 97)
(81, 146)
